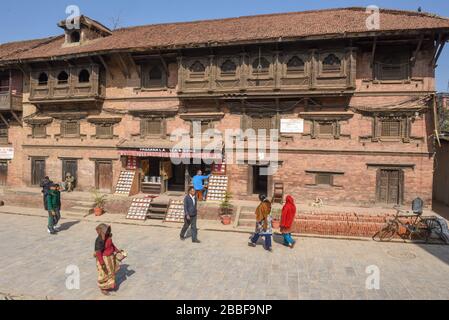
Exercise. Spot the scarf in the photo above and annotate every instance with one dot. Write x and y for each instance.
(288, 213)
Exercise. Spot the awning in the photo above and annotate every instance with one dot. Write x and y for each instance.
(382, 103)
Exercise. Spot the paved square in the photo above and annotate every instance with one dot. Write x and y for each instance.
(160, 266)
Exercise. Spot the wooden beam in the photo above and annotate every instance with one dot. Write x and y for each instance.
(418, 48)
(105, 65)
(373, 52)
(164, 64)
(17, 118)
(123, 66)
(435, 50)
(4, 120)
(439, 52)
(132, 62)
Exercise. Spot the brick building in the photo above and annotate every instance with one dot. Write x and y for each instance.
(353, 107)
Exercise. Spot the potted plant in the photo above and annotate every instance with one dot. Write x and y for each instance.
(100, 201)
(226, 209)
(276, 214)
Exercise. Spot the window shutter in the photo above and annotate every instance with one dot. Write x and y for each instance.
(323, 179)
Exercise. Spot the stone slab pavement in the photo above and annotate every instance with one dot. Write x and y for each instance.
(160, 266)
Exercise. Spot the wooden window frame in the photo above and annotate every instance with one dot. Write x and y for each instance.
(63, 130)
(146, 81)
(162, 131)
(404, 64)
(329, 175)
(99, 125)
(4, 139)
(401, 184)
(317, 134)
(36, 135)
(404, 129)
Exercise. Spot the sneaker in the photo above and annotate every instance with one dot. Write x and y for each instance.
(48, 230)
(196, 241)
(251, 244)
(56, 228)
(292, 245)
(182, 238)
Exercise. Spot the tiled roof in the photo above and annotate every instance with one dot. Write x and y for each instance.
(295, 25)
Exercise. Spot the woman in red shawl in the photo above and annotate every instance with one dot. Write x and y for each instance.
(287, 219)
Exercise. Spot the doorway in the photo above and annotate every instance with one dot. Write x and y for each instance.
(390, 183)
(3, 173)
(178, 181)
(70, 166)
(37, 171)
(258, 180)
(103, 176)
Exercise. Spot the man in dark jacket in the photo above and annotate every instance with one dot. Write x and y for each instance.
(52, 208)
(190, 215)
(45, 185)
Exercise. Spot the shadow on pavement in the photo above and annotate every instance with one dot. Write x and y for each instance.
(123, 274)
(67, 225)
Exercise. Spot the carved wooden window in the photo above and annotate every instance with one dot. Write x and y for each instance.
(392, 65)
(295, 64)
(63, 77)
(39, 131)
(197, 69)
(324, 179)
(84, 76)
(325, 129)
(204, 125)
(3, 135)
(260, 123)
(104, 130)
(390, 127)
(331, 63)
(261, 65)
(150, 127)
(70, 128)
(228, 68)
(154, 76)
(43, 79)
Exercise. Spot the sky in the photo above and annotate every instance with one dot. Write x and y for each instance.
(29, 19)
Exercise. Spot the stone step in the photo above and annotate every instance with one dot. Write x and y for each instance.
(80, 209)
(247, 222)
(90, 204)
(75, 214)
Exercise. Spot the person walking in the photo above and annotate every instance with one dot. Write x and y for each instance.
(198, 185)
(107, 263)
(51, 208)
(56, 205)
(45, 185)
(263, 224)
(287, 219)
(190, 215)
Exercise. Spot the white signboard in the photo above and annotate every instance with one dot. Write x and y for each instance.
(6, 153)
(292, 125)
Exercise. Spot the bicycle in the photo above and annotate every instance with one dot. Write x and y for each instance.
(423, 227)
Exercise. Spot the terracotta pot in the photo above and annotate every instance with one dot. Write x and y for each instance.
(226, 220)
(98, 211)
(276, 224)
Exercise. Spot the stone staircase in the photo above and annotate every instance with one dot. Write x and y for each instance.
(158, 209)
(246, 217)
(81, 209)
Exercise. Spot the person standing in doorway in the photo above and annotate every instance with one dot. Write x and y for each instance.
(190, 215)
(45, 185)
(198, 185)
(51, 201)
(287, 219)
(263, 224)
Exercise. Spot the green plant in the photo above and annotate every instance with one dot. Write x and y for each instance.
(99, 199)
(226, 205)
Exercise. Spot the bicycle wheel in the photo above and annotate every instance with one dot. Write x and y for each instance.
(387, 233)
(433, 227)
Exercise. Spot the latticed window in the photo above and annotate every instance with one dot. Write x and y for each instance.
(295, 64)
(390, 128)
(150, 127)
(261, 65)
(326, 128)
(70, 128)
(155, 77)
(3, 135)
(39, 131)
(331, 63)
(63, 77)
(228, 67)
(323, 179)
(104, 130)
(392, 66)
(258, 123)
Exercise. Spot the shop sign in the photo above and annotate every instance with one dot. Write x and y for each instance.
(6, 153)
(292, 125)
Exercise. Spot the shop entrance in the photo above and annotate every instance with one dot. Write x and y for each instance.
(259, 183)
(178, 181)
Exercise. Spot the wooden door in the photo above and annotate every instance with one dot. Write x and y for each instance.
(37, 171)
(103, 175)
(3, 173)
(389, 185)
(70, 166)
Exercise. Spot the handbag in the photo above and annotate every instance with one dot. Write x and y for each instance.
(120, 256)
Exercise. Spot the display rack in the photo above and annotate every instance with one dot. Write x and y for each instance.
(139, 209)
(175, 211)
(218, 186)
(125, 182)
